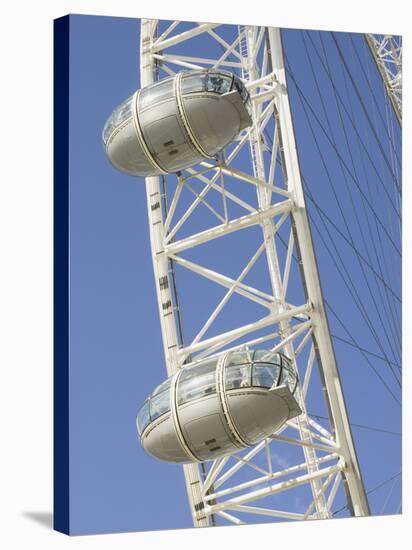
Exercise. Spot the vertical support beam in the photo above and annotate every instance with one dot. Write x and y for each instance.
(251, 73)
(161, 273)
(325, 353)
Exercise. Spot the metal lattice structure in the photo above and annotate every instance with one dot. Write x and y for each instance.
(386, 50)
(255, 187)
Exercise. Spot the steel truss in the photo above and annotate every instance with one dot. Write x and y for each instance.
(386, 50)
(325, 461)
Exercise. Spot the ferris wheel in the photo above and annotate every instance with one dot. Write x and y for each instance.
(246, 338)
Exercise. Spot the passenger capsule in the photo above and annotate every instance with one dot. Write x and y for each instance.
(218, 406)
(177, 122)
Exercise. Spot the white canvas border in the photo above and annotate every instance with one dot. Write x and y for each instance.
(26, 272)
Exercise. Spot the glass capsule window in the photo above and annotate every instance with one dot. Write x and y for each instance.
(243, 369)
(198, 381)
(292, 381)
(156, 93)
(244, 94)
(267, 356)
(143, 417)
(259, 368)
(159, 404)
(238, 85)
(193, 83)
(289, 377)
(265, 375)
(239, 358)
(219, 83)
(241, 88)
(164, 386)
(156, 404)
(118, 116)
(238, 376)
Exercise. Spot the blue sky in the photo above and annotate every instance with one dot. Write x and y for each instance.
(115, 344)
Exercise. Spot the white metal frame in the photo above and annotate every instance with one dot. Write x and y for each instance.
(299, 330)
(387, 53)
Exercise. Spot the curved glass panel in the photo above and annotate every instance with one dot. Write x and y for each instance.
(193, 83)
(162, 387)
(197, 381)
(119, 115)
(289, 378)
(155, 93)
(143, 418)
(244, 94)
(238, 376)
(266, 356)
(159, 404)
(219, 83)
(265, 375)
(237, 85)
(239, 358)
(292, 381)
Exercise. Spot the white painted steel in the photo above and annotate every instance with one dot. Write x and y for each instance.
(386, 51)
(258, 51)
(272, 489)
(161, 271)
(321, 334)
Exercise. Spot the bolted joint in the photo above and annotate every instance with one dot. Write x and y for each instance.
(199, 506)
